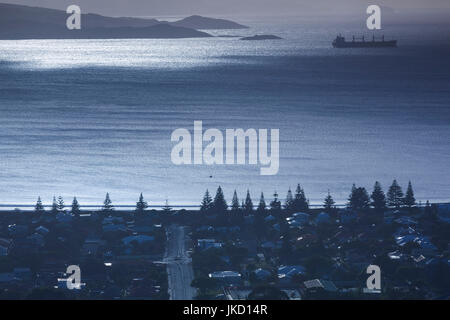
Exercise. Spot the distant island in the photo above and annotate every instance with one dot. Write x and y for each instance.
(23, 22)
(262, 37)
(203, 23)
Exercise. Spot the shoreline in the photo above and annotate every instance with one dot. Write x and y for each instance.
(11, 208)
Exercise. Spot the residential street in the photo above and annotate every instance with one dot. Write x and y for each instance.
(179, 266)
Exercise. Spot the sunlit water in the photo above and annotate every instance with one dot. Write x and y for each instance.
(86, 117)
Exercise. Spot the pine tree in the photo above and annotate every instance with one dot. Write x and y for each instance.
(427, 209)
(259, 226)
(219, 204)
(358, 199)
(235, 203)
(39, 208)
(207, 202)
(328, 203)
(289, 203)
(54, 206)
(141, 205)
(107, 204)
(378, 198)
(300, 201)
(248, 206)
(61, 204)
(167, 208)
(409, 199)
(395, 195)
(275, 205)
(75, 207)
(262, 205)
(353, 188)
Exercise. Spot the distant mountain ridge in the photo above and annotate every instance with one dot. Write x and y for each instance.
(24, 22)
(12, 12)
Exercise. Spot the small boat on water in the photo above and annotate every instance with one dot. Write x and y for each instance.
(340, 42)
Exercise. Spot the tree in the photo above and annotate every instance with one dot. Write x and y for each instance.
(54, 209)
(248, 205)
(61, 204)
(259, 224)
(275, 205)
(262, 205)
(300, 201)
(75, 207)
(107, 204)
(353, 188)
(235, 203)
(207, 202)
(219, 204)
(167, 208)
(141, 205)
(289, 203)
(39, 208)
(395, 195)
(378, 198)
(409, 199)
(328, 203)
(358, 199)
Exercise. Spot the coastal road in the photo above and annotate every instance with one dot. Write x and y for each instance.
(179, 264)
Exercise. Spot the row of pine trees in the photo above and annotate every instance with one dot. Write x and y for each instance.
(359, 199)
(219, 204)
(59, 206)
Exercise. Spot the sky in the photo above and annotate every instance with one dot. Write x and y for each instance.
(232, 7)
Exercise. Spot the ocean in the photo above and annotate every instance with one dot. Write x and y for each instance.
(86, 117)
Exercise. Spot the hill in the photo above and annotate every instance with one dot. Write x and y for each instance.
(12, 12)
(262, 37)
(23, 22)
(204, 23)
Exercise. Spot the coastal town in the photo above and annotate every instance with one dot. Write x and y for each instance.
(281, 248)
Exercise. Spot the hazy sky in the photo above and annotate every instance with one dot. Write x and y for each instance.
(230, 7)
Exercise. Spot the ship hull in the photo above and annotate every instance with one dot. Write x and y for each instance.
(367, 44)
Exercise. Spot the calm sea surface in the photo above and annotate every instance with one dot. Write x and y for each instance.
(86, 117)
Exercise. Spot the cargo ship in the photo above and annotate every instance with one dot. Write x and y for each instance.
(340, 42)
